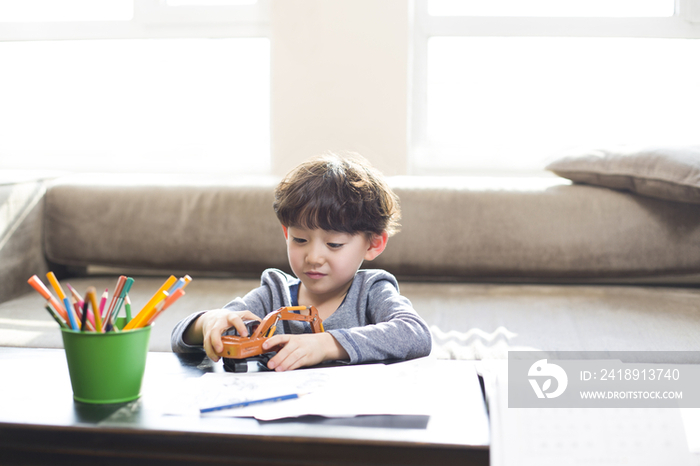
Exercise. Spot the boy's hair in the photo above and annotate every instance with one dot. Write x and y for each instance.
(337, 193)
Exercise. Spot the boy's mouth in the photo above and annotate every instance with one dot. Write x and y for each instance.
(315, 275)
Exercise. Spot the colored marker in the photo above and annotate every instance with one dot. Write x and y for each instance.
(107, 317)
(124, 295)
(120, 301)
(39, 286)
(62, 296)
(56, 286)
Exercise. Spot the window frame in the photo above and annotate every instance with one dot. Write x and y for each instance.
(154, 19)
(684, 24)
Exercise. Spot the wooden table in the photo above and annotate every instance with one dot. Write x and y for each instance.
(41, 424)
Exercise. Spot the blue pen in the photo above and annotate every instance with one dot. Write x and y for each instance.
(242, 404)
(70, 311)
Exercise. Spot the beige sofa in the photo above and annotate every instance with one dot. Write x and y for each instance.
(492, 264)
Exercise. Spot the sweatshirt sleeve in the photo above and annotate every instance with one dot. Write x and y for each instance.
(271, 294)
(177, 343)
(387, 326)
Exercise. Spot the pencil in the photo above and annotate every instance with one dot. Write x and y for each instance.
(76, 295)
(91, 295)
(180, 283)
(71, 317)
(122, 296)
(112, 320)
(77, 307)
(55, 316)
(177, 285)
(147, 312)
(115, 297)
(103, 301)
(84, 321)
(163, 306)
(127, 308)
(243, 404)
(159, 296)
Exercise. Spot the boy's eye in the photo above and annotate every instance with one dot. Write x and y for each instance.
(335, 245)
(299, 240)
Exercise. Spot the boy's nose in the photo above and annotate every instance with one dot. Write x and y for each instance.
(314, 256)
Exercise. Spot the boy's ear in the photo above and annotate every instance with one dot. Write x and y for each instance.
(286, 233)
(377, 243)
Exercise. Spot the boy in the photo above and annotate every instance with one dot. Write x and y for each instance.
(336, 212)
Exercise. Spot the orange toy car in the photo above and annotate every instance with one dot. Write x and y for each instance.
(238, 350)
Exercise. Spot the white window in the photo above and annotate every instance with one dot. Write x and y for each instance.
(505, 85)
(144, 85)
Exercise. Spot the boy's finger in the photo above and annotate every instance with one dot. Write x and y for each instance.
(236, 321)
(282, 354)
(275, 341)
(214, 339)
(210, 351)
(247, 315)
(277, 363)
(291, 360)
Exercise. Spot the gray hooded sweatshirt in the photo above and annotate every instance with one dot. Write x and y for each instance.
(373, 323)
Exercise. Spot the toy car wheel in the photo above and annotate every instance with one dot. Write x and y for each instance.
(235, 365)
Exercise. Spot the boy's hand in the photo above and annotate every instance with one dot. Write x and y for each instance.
(212, 324)
(303, 350)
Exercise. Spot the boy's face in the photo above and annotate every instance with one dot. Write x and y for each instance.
(326, 261)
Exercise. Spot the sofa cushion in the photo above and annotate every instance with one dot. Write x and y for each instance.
(662, 172)
(21, 220)
(463, 228)
(163, 222)
(537, 228)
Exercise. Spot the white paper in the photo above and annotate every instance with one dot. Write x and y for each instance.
(691, 422)
(419, 387)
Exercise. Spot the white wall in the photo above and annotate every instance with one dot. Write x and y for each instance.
(339, 81)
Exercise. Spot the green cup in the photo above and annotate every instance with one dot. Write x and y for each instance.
(106, 367)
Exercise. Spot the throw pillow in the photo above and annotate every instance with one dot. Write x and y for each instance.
(661, 172)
